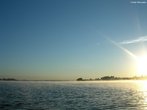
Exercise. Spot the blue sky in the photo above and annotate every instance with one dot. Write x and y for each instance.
(67, 39)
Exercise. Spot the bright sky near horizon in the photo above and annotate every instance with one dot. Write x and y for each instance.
(67, 39)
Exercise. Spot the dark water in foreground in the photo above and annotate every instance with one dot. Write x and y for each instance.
(115, 95)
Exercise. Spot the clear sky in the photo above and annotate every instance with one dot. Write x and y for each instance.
(67, 39)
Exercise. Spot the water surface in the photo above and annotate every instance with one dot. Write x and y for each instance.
(73, 95)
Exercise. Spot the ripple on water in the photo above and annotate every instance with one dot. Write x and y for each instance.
(71, 96)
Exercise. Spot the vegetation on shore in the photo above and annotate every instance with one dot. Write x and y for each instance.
(114, 78)
(8, 79)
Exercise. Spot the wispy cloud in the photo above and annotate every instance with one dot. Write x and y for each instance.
(138, 40)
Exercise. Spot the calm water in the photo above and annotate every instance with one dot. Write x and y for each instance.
(100, 95)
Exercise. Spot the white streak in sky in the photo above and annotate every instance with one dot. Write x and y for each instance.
(138, 40)
(124, 49)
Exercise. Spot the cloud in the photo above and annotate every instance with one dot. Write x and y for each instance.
(138, 40)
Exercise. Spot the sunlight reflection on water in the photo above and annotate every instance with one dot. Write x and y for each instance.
(142, 87)
(66, 95)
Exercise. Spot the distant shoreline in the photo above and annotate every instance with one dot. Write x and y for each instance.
(113, 78)
(13, 79)
(104, 78)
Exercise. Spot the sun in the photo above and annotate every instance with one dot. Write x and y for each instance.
(142, 65)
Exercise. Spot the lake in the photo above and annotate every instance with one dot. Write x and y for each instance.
(73, 95)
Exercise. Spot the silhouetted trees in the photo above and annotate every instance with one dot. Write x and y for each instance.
(113, 78)
(80, 79)
(108, 78)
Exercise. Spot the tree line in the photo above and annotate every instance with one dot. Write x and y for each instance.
(113, 78)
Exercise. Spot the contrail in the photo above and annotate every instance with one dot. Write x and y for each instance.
(119, 46)
(122, 48)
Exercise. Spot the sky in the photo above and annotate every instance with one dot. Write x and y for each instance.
(67, 39)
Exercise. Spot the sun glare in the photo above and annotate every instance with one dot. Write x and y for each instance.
(142, 65)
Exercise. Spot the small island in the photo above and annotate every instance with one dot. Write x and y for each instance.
(114, 78)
